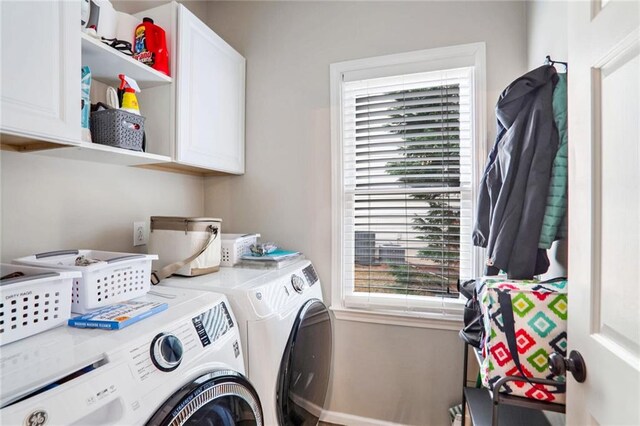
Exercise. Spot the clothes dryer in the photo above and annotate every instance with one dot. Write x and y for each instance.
(181, 366)
(286, 332)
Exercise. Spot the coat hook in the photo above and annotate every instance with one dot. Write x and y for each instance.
(549, 61)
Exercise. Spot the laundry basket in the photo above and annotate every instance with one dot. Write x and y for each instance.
(116, 278)
(34, 300)
(234, 246)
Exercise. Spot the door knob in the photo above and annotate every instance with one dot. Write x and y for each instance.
(575, 364)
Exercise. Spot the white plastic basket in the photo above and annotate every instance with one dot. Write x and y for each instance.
(117, 278)
(234, 246)
(35, 302)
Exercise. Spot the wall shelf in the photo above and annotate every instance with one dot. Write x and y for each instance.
(79, 150)
(184, 169)
(106, 63)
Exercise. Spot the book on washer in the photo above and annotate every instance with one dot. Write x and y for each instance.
(274, 256)
(274, 260)
(117, 316)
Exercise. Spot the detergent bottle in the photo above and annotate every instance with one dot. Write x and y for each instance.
(150, 46)
(128, 88)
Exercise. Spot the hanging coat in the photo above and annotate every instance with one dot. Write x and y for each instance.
(514, 187)
(552, 225)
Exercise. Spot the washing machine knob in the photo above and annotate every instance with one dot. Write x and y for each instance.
(297, 282)
(166, 351)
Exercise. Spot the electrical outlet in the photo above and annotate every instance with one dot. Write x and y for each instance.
(140, 235)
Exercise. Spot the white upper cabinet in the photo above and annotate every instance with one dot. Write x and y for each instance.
(194, 118)
(210, 98)
(40, 51)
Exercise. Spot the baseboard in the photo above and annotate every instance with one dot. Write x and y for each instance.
(353, 420)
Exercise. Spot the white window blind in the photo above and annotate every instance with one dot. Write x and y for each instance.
(407, 175)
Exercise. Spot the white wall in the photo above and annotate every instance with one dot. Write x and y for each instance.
(547, 34)
(546, 31)
(400, 374)
(52, 204)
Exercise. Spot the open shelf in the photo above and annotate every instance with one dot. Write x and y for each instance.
(512, 410)
(106, 63)
(480, 409)
(185, 169)
(88, 151)
(79, 150)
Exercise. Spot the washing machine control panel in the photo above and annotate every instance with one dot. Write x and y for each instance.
(166, 351)
(285, 291)
(310, 274)
(213, 324)
(297, 282)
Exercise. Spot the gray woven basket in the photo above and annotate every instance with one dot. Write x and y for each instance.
(115, 127)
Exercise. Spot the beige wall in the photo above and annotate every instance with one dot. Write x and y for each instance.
(53, 203)
(399, 374)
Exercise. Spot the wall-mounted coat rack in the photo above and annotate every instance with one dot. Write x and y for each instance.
(549, 61)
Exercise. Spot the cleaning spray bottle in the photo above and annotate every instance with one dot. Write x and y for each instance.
(150, 46)
(127, 94)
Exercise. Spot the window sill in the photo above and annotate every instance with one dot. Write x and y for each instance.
(416, 319)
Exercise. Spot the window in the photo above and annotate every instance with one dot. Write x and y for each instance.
(405, 143)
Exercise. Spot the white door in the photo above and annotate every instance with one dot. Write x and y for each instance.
(604, 210)
(40, 56)
(210, 98)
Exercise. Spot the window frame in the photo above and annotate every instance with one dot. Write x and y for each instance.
(444, 314)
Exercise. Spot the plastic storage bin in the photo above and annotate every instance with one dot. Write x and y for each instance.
(118, 277)
(234, 246)
(34, 302)
(115, 127)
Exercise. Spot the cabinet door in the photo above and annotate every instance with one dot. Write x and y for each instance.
(210, 98)
(40, 51)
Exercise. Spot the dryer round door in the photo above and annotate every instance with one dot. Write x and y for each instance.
(304, 371)
(220, 398)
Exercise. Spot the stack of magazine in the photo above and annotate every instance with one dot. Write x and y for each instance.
(275, 260)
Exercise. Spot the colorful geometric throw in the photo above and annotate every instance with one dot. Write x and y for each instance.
(540, 315)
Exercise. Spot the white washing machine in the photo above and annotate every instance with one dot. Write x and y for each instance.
(286, 332)
(182, 366)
